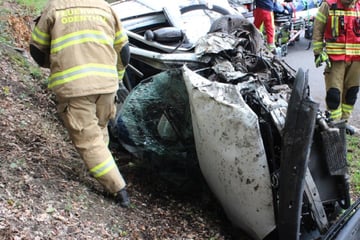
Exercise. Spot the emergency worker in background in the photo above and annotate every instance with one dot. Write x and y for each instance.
(85, 47)
(263, 15)
(336, 42)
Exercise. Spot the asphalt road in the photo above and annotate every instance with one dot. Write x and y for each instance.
(299, 57)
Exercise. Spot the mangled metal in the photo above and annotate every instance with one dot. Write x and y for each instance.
(231, 152)
(226, 130)
(226, 106)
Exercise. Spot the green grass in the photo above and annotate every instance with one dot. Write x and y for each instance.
(353, 157)
(4, 37)
(36, 5)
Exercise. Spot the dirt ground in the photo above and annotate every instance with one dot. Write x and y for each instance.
(45, 190)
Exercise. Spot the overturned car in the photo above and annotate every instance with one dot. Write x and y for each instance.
(228, 106)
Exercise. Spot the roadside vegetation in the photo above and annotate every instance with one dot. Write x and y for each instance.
(353, 157)
(34, 5)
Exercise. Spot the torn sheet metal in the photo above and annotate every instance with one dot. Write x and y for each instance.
(231, 153)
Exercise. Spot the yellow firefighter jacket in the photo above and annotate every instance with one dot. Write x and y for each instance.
(337, 29)
(83, 39)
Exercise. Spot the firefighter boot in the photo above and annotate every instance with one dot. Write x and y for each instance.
(122, 198)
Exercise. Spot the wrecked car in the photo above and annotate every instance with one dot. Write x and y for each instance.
(217, 100)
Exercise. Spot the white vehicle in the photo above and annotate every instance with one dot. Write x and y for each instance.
(224, 105)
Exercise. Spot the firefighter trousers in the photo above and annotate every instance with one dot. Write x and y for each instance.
(86, 120)
(342, 82)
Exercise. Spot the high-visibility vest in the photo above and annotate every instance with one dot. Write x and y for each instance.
(342, 33)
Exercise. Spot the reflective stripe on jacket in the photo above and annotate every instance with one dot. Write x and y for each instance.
(340, 33)
(83, 39)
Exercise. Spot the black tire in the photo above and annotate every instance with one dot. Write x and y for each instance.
(230, 23)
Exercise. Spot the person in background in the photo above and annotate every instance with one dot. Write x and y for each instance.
(263, 15)
(86, 49)
(336, 42)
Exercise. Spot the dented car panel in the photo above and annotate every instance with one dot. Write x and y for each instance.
(231, 153)
(226, 106)
(296, 147)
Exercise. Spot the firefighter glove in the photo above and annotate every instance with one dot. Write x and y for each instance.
(322, 58)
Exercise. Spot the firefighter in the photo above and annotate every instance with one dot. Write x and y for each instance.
(264, 16)
(336, 42)
(85, 47)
